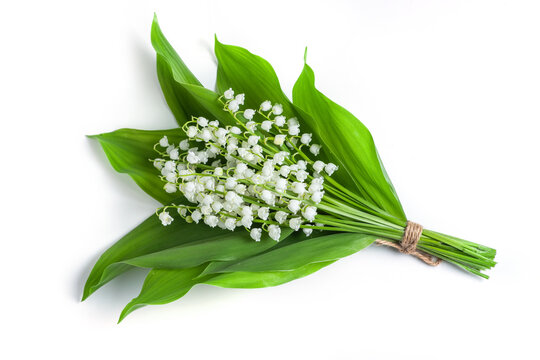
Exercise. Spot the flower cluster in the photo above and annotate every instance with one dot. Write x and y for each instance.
(252, 173)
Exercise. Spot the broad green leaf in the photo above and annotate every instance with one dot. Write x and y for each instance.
(290, 238)
(162, 287)
(180, 71)
(346, 137)
(296, 255)
(184, 94)
(252, 280)
(129, 151)
(149, 237)
(227, 246)
(250, 74)
(247, 73)
(187, 100)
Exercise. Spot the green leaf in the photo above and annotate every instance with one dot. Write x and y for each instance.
(149, 237)
(162, 287)
(299, 254)
(129, 151)
(187, 100)
(251, 74)
(180, 71)
(347, 138)
(252, 280)
(184, 94)
(227, 246)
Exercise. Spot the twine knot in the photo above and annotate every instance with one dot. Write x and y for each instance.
(408, 243)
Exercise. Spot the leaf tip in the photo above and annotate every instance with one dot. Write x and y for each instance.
(305, 56)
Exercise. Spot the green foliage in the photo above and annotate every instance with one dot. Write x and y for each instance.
(345, 134)
(182, 255)
(129, 151)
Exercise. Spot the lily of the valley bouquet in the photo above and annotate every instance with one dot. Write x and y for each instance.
(256, 190)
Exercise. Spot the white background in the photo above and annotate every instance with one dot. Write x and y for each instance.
(449, 89)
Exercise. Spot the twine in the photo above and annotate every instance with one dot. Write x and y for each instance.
(408, 243)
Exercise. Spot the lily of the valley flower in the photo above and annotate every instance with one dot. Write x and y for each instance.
(235, 177)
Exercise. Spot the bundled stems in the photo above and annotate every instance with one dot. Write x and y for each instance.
(257, 174)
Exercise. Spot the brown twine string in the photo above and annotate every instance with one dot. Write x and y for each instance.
(408, 243)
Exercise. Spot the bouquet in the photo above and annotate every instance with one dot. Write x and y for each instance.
(256, 190)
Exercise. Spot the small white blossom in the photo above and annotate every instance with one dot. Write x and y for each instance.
(214, 123)
(251, 125)
(305, 139)
(299, 188)
(249, 113)
(233, 106)
(170, 188)
(182, 211)
(295, 223)
(240, 98)
(230, 224)
(230, 183)
(218, 171)
(196, 216)
(158, 164)
(174, 154)
(315, 149)
(164, 142)
(192, 131)
(257, 149)
(205, 135)
(307, 231)
(220, 134)
(310, 212)
(184, 145)
(279, 140)
(253, 140)
(236, 130)
(280, 216)
(247, 221)
(266, 105)
(165, 218)
(266, 125)
(211, 220)
(202, 121)
(192, 158)
(217, 206)
(277, 109)
(228, 94)
(169, 166)
(274, 231)
(268, 197)
(171, 177)
(317, 196)
(318, 166)
(256, 233)
(330, 168)
(294, 206)
(285, 170)
(263, 213)
(293, 122)
(294, 130)
(206, 209)
(279, 120)
(301, 175)
(240, 189)
(281, 185)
